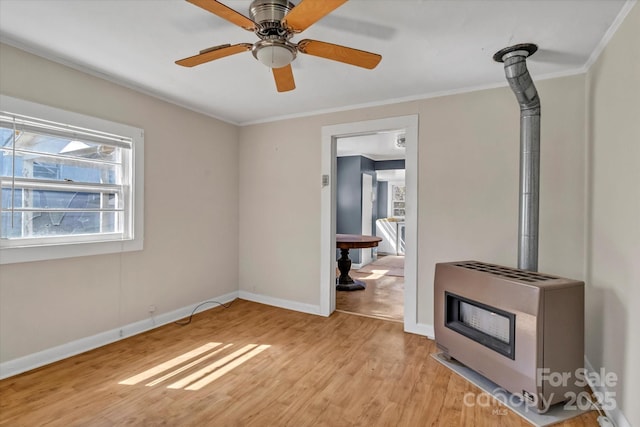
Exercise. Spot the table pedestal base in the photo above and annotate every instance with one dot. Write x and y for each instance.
(357, 285)
(345, 282)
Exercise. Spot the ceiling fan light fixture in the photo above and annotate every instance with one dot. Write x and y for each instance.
(274, 53)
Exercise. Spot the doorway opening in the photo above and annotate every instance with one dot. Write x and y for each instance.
(330, 137)
(370, 201)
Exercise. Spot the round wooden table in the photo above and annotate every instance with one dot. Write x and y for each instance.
(344, 242)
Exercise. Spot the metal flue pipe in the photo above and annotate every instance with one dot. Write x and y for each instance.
(515, 68)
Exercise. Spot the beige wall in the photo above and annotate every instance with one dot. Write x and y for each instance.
(613, 249)
(468, 189)
(190, 254)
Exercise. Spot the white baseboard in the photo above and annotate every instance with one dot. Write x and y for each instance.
(54, 354)
(420, 329)
(614, 414)
(282, 303)
(415, 328)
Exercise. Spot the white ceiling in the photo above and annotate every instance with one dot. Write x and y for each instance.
(428, 48)
(378, 146)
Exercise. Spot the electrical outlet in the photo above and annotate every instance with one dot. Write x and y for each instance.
(152, 308)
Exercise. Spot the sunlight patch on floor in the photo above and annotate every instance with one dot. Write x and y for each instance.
(375, 274)
(228, 367)
(192, 360)
(169, 364)
(185, 367)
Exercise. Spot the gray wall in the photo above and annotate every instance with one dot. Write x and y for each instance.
(383, 165)
(349, 197)
(382, 199)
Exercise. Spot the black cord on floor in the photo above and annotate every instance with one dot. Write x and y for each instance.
(200, 305)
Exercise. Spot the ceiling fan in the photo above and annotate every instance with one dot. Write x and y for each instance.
(275, 22)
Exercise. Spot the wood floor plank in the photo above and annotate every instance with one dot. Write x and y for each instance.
(339, 371)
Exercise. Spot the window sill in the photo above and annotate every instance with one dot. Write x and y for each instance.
(41, 253)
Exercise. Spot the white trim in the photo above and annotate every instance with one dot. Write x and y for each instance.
(608, 35)
(328, 203)
(10, 255)
(54, 354)
(328, 167)
(421, 329)
(281, 303)
(410, 98)
(615, 415)
(411, 223)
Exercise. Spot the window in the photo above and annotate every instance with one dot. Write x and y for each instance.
(70, 184)
(397, 200)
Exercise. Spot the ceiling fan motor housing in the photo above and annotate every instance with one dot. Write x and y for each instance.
(268, 14)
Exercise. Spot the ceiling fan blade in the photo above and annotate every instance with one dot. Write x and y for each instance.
(214, 53)
(308, 12)
(359, 58)
(226, 12)
(284, 78)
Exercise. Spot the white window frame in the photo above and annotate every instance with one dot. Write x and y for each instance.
(73, 246)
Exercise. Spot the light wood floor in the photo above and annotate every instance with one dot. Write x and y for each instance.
(383, 297)
(343, 370)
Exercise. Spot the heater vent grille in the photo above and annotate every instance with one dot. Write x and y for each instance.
(511, 273)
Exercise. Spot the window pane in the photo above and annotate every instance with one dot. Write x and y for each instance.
(6, 137)
(47, 144)
(6, 163)
(6, 198)
(47, 199)
(9, 229)
(52, 199)
(42, 224)
(63, 222)
(59, 168)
